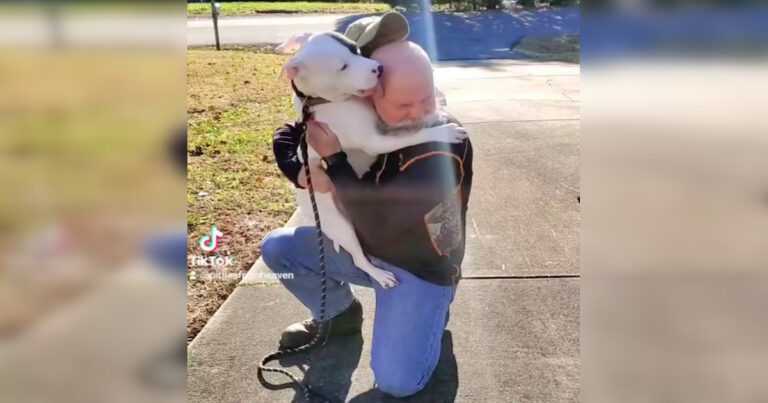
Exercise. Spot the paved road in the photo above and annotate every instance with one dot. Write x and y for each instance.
(446, 36)
(258, 29)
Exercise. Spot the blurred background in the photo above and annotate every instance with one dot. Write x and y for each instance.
(92, 105)
(674, 235)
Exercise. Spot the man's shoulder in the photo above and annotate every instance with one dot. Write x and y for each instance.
(423, 151)
(434, 148)
(449, 118)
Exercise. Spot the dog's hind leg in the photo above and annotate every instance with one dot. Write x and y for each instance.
(340, 231)
(385, 278)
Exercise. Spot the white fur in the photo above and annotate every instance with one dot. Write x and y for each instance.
(316, 71)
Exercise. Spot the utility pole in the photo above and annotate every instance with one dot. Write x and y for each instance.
(53, 12)
(215, 16)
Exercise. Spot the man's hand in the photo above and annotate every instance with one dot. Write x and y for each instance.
(321, 183)
(322, 139)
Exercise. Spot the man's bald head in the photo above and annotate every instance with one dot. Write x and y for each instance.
(406, 94)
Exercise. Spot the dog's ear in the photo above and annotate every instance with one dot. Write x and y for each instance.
(292, 68)
(293, 44)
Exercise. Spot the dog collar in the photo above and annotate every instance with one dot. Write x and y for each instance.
(346, 42)
(307, 100)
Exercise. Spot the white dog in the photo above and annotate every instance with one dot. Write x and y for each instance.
(328, 66)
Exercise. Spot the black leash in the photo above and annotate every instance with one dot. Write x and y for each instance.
(322, 332)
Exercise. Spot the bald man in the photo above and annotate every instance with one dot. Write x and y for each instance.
(409, 213)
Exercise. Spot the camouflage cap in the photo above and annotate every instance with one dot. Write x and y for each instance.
(373, 32)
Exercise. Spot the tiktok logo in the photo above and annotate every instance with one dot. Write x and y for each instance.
(209, 243)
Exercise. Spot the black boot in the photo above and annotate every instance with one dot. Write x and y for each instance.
(350, 321)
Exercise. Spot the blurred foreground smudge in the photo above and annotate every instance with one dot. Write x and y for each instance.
(674, 237)
(87, 179)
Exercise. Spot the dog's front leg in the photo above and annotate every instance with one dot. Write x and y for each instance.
(447, 133)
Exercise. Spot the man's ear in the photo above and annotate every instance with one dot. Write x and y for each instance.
(292, 68)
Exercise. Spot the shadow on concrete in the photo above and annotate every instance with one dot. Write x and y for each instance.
(330, 369)
(489, 66)
(442, 387)
(483, 35)
(330, 373)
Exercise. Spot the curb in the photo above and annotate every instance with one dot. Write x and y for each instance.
(259, 273)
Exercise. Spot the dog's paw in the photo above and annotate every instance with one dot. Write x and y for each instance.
(448, 133)
(385, 278)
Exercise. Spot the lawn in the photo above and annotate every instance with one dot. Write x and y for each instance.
(252, 7)
(235, 101)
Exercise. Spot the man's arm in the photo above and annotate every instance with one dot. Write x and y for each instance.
(285, 146)
(423, 183)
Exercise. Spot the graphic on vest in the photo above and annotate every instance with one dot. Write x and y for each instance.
(444, 225)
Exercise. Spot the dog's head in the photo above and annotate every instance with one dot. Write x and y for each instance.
(330, 66)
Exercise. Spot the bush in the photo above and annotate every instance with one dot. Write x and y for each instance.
(555, 3)
(492, 4)
(464, 5)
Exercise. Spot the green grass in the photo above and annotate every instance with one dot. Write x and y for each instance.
(563, 48)
(251, 8)
(235, 101)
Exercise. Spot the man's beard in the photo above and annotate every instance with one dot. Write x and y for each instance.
(410, 126)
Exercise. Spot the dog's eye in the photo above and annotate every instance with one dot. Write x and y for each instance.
(344, 67)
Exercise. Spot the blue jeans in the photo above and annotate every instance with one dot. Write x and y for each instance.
(169, 251)
(410, 318)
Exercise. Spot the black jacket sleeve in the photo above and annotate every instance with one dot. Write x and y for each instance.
(285, 145)
(404, 200)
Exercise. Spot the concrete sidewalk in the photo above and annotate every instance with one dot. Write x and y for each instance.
(514, 329)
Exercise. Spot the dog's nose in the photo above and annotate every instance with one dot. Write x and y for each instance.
(379, 70)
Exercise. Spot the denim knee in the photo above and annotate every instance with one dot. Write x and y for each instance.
(274, 247)
(397, 384)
